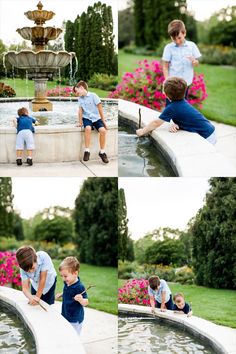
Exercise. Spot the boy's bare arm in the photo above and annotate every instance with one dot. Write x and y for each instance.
(42, 282)
(80, 117)
(14, 121)
(163, 300)
(166, 69)
(152, 302)
(26, 289)
(81, 300)
(100, 110)
(150, 127)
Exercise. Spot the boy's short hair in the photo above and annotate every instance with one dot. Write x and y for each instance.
(175, 88)
(175, 27)
(81, 83)
(154, 282)
(26, 256)
(71, 264)
(22, 111)
(178, 295)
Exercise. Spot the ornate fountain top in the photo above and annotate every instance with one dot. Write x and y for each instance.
(39, 16)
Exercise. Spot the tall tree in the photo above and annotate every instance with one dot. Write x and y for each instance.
(6, 207)
(214, 236)
(125, 27)
(125, 244)
(95, 218)
(152, 18)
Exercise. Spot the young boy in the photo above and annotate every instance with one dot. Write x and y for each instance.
(160, 294)
(74, 294)
(90, 115)
(181, 306)
(25, 130)
(37, 268)
(180, 56)
(185, 116)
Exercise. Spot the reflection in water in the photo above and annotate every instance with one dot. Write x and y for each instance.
(138, 157)
(14, 337)
(140, 335)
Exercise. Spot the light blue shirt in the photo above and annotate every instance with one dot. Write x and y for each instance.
(44, 263)
(158, 293)
(179, 64)
(89, 105)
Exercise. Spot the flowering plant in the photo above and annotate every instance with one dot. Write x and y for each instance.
(144, 86)
(9, 270)
(61, 91)
(134, 292)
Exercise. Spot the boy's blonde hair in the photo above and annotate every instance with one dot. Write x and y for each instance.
(175, 27)
(26, 256)
(22, 112)
(71, 264)
(178, 295)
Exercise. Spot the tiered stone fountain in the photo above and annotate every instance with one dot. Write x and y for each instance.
(39, 63)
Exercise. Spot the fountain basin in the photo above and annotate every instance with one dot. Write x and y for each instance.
(221, 339)
(57, 143)
(39, 16)
(52, 333)
(188, 153)
(44, 61)
(38, 33)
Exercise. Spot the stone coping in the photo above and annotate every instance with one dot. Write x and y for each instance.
(59, 99)
(52, 333)
(188, 153)
(221, 338)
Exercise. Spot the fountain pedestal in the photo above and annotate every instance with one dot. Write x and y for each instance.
(40, 101)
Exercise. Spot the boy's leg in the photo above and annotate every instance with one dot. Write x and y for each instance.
(87, 137)
(150, 127)
(29, 140)
(102, 137)
(77, 326)
(19, 148)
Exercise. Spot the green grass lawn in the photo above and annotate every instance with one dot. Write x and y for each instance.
(216, 305)
(24, 89)
(220, 81)
(104, 296)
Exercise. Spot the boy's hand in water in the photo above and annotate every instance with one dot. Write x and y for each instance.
(174, 128)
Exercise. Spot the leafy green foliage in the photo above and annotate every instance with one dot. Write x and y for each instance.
(95, 218)
(6, 207)
(213, 232)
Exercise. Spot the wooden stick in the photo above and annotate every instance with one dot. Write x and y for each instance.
(90, 286)
(42, 306)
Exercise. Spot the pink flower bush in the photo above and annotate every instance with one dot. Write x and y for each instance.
(144, 86)
(134, 292)
(9, 270)
(61, 91)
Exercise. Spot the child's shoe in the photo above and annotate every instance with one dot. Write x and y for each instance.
(29, 161)
(86, 155)
(19, 162)
(103, 157)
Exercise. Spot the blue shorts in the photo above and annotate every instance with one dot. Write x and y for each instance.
(49, 297)
(98, 124)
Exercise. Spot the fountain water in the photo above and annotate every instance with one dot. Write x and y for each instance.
(39, 63)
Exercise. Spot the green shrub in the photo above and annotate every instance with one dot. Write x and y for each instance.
(9, 244)
(184, 275)
(218, 55)
(103, 81)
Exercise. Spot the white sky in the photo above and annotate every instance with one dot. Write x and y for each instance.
(162, 202)
(202, 9)
(33, 194)
(12, 15)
